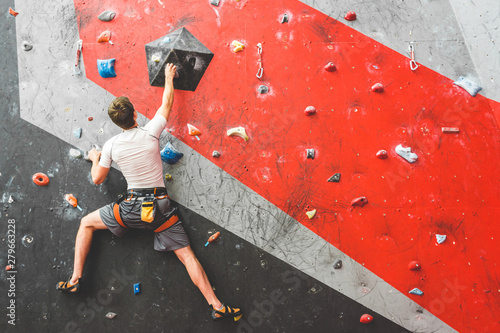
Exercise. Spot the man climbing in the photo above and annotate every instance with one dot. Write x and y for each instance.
(147, 206)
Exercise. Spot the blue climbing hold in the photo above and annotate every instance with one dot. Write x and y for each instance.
(137, 288)
(416, 291)
(106, 67)
(170, 155)
(471, 87)
(78, 133)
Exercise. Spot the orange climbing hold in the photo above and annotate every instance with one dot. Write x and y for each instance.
(213, 238)
(366, 319)
(71, 199)
(104, 37)
(40, 179)
(193, 130)
(13, 12)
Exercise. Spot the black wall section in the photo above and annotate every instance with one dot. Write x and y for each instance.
(274, 296)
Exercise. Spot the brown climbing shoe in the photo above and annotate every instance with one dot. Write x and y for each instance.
(67, 287)
(226, 312)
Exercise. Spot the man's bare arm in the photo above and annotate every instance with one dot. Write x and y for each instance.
(168, 93)
(98, 172)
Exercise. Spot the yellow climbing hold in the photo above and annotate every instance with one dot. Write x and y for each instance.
(237, 46)
(310, 214)
(238, 131)
(168, 176)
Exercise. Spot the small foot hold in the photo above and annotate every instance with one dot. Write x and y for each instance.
(193, 131)
(414, 266)
(337, 264)
(67, 287)
(360, 202)
(440, 238)
(137, 288)
(350, 16)
(40, 179)
(471, 87)
(378, 87)
(105, 36)
(335, 178)
(382, 154)
(416, 291)
(110, 315)
(237, 46)
(310, 153)
(27, 46)
(284, 18)
(406, 153)
(366, 319)
(78, 133)
(226, 312)
(310, 214)
(13, 12)
(75, 153)
(450, 129)
(106, 15)
(330, 67)
(238, 131)
(310, 110)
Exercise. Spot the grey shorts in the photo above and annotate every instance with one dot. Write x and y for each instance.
(173, 238)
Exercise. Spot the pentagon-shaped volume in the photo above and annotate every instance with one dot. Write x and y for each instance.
(170, 155)
(183, 50)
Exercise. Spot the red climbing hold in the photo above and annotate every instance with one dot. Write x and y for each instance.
(360, 202)
(40, 179)
(350, 16)
(414, 266)
(330, 67)
(366, 319)
(450, 129)
(310, 110)
(91, 118)
(382, 154)
(8, 267)
(378, 87)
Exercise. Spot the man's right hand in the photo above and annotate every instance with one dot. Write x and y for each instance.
(94, 155)
(170, 70)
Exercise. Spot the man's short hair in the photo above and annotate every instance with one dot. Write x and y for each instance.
(121, 112)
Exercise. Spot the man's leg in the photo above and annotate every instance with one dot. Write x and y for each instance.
(200, 279)
(198, 275)
(88, 225)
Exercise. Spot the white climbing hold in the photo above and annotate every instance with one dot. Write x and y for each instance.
(310, 214)
(406, 153)
(11, 199)
(110, 315)
(416, 291)
(75, 153)
(238, 131)
(440, 238)
(471, 87)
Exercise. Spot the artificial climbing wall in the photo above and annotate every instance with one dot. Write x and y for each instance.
(451, 190)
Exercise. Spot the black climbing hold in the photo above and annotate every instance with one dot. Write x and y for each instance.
(263, 89)
(215, 153)
(27, 46)
(215, 3)
(337, 264)
(284, 18)
(335, 178)
(310, 153)
(182, 49)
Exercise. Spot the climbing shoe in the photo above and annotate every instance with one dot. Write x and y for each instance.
(67, 287)
(226, 312)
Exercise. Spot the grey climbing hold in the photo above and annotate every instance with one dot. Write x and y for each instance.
(27, 46)
(416, 291)
(406, 153)
(337, 264)
(215, 3)
(335, 178)
(440, 238)
(310, 153)
(110, 315)
(215, 153)
(471, 87)
(184, 51)
(107, 15)
(284, 18)
(78, 133)
(86, 153)
(263, 263)
(263, 89)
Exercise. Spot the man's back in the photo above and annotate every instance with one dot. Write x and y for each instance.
(137, 153)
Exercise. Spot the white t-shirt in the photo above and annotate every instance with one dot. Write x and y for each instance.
(137, 153)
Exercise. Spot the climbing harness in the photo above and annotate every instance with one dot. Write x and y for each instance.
(261, 68)
(413, 63)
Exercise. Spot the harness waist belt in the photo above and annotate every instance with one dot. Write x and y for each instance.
(142, 192)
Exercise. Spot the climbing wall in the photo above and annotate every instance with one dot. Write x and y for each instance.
(451, 189)
(447, 191)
